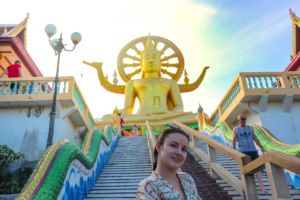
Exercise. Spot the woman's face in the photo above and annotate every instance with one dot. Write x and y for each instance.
(172, 153)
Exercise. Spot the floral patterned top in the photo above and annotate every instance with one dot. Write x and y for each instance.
(156, 187)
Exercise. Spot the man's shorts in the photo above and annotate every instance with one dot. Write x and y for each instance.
(252, 154)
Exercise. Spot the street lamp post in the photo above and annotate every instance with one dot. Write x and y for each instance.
(58, 46)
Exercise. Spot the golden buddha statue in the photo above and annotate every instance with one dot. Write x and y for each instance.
(156, 95)
(159, 97)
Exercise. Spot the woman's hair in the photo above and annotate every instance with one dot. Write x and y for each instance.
(166, 132)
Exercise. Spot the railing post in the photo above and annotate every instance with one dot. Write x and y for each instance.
(220, 112)
(285, 80)
(212, 159)
(248, 180)
(151, 141)
(279, 186)
(71, 86)
(199, 119)
(243, 83)
(192, 143)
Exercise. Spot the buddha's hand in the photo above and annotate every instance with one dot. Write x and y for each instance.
(96, 65)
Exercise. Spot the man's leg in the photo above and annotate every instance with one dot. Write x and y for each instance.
(260, 182)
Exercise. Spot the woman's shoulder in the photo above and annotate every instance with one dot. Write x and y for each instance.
(152, 179)
(184, 175)
(189, 185)
(148, 188)
(186, 178)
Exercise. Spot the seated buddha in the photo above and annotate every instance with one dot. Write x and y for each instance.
(156, 95)
(159, 98)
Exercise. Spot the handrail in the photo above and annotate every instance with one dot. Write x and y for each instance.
(274, 161)
(235, 155)
(216, 170)
(267, 140)
(37, 78)
(291, 163)
(151, 140)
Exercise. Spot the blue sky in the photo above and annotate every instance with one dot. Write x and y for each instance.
(246, 36)
(229, 36)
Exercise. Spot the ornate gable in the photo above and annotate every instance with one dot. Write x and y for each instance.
(296, 33)
(18, 30)
(13, 47)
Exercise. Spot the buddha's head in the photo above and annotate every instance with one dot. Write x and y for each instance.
(150, 61)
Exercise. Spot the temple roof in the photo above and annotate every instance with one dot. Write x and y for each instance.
(294, 64)
(13, 46)
(296, 32)
(17, 30)
(295, 57)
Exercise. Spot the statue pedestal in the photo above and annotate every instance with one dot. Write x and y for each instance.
(155, 119)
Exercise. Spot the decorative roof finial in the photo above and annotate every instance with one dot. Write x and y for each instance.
(116, 110)
(293, 16)
(200, 109)
(115, 80)
(186, 78)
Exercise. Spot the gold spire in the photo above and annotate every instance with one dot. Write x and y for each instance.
(149, 47)
(116, 110)
(296, 23)
(294, 17)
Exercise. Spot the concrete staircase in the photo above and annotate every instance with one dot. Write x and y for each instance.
(128, 165)
(233, 167)
(207, 187)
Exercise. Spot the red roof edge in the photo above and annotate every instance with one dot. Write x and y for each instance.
(294, 63)
(24, 56)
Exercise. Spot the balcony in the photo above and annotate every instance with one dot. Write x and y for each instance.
(38, 91)
(261, 87)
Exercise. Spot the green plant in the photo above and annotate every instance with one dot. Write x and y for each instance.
(10, 187)
(7, 156)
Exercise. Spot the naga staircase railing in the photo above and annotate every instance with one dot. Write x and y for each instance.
(151, 140)
(274, 161)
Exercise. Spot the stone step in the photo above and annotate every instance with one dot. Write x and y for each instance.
(112, 187)
(233, 167)
(128, 165)
(123, 175)
(120, 161)
(109, 171)
(120, 178)
(119, 168)
(117, 195)
(113, 184)
(103, 182)
(111, 191)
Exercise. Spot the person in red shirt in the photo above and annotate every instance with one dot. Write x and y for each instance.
(122, 122)
(13, 71)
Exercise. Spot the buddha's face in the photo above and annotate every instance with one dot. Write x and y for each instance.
(151, 62)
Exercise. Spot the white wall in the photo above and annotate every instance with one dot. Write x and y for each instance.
(25, 129)
(283, 125)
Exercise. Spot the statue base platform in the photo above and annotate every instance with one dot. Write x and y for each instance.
(154, 119)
